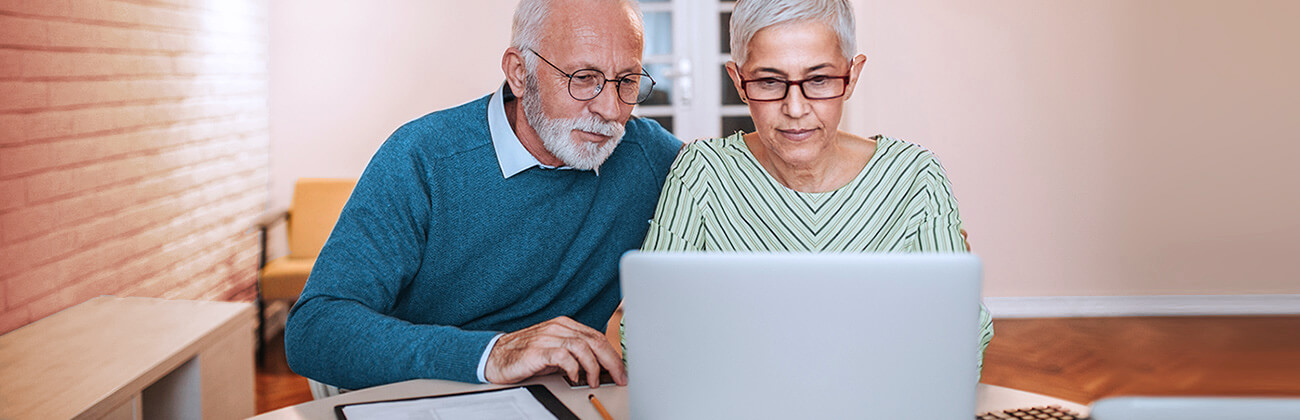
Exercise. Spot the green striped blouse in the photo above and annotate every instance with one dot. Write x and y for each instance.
(717, 197)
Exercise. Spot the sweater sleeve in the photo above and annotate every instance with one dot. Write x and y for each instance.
(340, 331)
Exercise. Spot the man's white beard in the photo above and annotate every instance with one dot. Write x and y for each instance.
(556, 133)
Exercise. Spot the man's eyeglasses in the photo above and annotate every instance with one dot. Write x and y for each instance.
(586, 84)
(817, 87)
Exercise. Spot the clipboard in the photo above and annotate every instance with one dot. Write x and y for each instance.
(539, 391)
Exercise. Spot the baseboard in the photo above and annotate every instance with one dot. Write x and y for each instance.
(1166, 305)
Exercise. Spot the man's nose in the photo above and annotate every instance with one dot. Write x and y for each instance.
(606, 104)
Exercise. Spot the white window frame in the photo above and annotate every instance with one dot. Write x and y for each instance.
(696, 100)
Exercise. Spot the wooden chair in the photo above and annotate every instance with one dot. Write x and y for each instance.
(310, 218)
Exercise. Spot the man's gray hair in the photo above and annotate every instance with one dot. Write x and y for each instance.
(751, 16)
(529, 22)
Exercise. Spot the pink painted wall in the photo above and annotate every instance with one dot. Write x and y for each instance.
(345, 74)
(1103, 147)
(1097, 147)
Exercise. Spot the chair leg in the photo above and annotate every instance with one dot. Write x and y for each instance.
(261, 303)
(261, 327)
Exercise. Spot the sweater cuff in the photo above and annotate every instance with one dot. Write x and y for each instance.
(457, 358)
(482, 361)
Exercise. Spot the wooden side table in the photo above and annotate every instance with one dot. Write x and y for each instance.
(131, 358)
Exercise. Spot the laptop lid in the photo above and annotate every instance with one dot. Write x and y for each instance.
(800, 335)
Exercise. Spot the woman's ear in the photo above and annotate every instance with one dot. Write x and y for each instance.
(734, 72)
(512, 64)
(855, 72)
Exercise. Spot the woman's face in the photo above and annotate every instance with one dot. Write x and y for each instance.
(795, 129)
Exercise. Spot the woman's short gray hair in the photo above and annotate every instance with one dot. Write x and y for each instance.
(529, 20)
(751, 16)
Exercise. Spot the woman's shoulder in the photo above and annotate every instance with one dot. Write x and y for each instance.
(712, 151)
(894, 147)
(906, 162)
(899, 145)
(717, 146)
(707, 159)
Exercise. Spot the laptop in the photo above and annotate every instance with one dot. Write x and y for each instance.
(801, 335)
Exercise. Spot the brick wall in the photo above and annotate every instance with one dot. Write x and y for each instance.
(133, 150)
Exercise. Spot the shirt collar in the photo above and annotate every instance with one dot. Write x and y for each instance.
(511, 154)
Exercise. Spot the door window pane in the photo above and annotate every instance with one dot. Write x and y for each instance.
(730, 125)
(666, 121)
(658, 33)
(662, 94)
(724, 31)
(729, 94)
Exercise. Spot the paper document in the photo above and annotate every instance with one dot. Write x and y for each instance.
(507, 404)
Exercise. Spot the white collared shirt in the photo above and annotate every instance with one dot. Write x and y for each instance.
(511, 154)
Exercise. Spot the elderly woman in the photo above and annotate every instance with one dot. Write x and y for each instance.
(798, 183)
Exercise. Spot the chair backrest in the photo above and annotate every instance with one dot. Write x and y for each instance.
(316, 205)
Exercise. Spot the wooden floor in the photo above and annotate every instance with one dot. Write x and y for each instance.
(1084, 359)
(1077, 359)
(277, 385)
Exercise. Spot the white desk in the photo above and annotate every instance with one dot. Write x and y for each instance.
(131, 358)
(990, 398)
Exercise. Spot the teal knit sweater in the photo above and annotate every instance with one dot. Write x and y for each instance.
(436, 252)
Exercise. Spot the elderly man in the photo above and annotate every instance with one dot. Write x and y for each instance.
(482, 242)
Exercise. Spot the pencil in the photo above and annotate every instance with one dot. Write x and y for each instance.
(599, 407)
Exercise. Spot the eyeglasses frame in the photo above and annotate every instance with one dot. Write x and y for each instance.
(601, 87)
(744, 86)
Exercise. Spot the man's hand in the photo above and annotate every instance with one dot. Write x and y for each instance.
(560, 344)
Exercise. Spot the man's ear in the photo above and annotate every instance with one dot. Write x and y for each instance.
(855, 73)
(512, 64)
(734, 72)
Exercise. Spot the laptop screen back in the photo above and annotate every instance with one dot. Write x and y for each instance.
(798, 335)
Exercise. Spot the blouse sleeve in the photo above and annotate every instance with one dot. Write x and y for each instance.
(941, 232)
(676, 225)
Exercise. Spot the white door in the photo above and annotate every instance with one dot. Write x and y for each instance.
(685, 52)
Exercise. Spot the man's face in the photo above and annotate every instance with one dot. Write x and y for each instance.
(582, 35)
